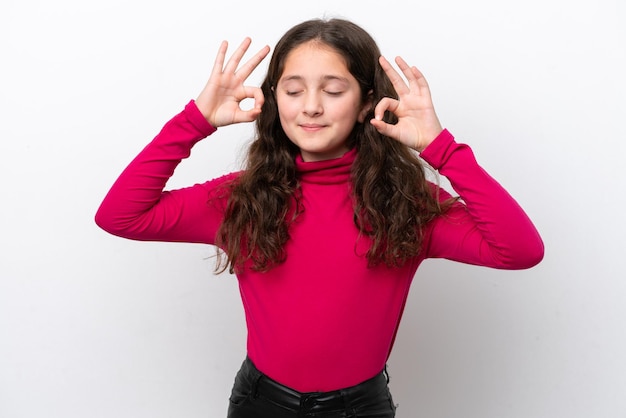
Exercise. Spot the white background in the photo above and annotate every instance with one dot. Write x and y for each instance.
(96, 326)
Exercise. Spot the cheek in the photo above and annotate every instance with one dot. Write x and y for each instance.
(349, 111)
(285, 116)
(286, 109)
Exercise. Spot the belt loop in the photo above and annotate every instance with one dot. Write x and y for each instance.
(256, 377)
(347, 404)
(255, 387)
(386, 373)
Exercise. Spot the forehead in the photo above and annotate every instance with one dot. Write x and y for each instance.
(314, 60)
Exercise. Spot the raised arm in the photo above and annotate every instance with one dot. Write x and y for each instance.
(220, 100)
(137, 207)
(487, 226)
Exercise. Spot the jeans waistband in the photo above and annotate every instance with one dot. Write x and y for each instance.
(314, 401)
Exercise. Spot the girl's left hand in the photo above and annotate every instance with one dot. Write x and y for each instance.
(417, 124)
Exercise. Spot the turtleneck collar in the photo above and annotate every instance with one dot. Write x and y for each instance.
(334, 171)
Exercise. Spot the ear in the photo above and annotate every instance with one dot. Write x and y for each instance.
(367, 106)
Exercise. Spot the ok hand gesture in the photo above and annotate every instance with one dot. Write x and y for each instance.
(417, 124)
(220, 100)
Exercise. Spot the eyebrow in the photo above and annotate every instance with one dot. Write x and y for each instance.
(324, 78)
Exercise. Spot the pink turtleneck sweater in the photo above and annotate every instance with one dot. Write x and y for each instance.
(322, 320)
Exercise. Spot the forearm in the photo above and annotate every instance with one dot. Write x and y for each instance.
(131, 207)
(491, 228)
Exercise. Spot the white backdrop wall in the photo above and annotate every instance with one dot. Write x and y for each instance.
(96, 326)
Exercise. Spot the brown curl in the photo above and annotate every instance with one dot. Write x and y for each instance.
(393, 199)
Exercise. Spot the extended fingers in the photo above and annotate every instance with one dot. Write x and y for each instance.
(420, 80)
(253, 62)
(415, 78)
(405, 68)
(233, 61)
(395, 78)
(413, 75)
(219, 59)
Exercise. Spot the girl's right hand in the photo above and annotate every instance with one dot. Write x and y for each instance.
(220, 100)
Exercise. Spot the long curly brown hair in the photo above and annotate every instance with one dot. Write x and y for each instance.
(393, 199)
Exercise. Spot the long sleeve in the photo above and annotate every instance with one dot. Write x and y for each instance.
(136, 206)
(487, 226)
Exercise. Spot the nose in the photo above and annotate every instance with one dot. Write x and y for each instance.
(313, 104)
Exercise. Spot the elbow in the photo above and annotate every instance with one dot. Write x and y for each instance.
(122, 224)
(106, 221)
(527, 256)
(535, 251)
(533, 257)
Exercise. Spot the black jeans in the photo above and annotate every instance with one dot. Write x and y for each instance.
(255, 395)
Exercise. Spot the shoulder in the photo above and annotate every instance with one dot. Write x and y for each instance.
(221, 182)
(220, 187)
(439, 192)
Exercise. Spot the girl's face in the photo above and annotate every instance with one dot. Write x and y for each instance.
(319, 101)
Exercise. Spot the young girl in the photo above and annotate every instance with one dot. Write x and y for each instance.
(331, 217)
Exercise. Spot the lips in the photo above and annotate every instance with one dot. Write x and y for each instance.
(311, 127)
